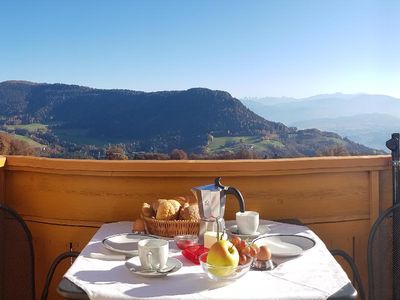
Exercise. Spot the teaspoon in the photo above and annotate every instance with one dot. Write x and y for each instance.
(136, 268)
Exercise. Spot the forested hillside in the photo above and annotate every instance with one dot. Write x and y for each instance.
(71, 117)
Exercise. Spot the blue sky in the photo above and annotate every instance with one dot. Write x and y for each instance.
(292, 48)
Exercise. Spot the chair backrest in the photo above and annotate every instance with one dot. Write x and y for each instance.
(50, 274)
(17, 281)
(384, 256)
(356, 274)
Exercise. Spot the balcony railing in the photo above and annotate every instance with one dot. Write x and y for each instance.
(65, 201)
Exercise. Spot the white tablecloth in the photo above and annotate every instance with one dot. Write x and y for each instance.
(313, 275)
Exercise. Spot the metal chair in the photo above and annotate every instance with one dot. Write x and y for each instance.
(356, 273)
(50, 274)
(17, 264)
(384, 256)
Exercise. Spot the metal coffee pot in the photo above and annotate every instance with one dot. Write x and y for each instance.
(211, 199)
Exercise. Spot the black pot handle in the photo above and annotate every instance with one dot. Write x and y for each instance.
(232, 191)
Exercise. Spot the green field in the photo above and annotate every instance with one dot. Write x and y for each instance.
(256, 143)
(28, 140)
(29, 127)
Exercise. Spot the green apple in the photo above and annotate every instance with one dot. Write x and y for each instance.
(223, 258)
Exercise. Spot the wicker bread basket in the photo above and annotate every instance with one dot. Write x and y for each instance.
(171, 228)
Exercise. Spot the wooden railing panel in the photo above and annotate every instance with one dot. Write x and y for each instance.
(64, 201)
(373, 196)
(309, 197)
(385, 190)
(199, 168)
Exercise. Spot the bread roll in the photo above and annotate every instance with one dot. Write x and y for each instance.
(139, 226)
(182, 200)
(168, 210)
(191, 199)
(175, 203)
(190, 212)
(147, 210)
(156, 203)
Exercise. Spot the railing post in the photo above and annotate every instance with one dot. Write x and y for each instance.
(394, 145)
(2, 196)
(2, 179)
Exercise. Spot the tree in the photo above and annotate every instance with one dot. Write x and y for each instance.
(337, 150)
(178, 154)
(12, 146)
(115, 153)
(245, 153)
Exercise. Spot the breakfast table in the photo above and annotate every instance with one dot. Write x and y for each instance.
(314, 274)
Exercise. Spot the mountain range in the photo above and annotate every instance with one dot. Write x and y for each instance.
(366, 119)
(153, 122)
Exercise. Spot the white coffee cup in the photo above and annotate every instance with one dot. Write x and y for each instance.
(153, 253)
(247, 222)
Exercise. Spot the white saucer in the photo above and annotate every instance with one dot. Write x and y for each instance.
(125, 243)
(135, 267)
(233, 230)
(286, 245)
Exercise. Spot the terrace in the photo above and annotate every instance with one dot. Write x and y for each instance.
(64, 202)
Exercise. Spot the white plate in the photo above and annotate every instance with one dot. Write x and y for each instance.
(286, 245)
(233, 230)
(126, 243)
(135, 267)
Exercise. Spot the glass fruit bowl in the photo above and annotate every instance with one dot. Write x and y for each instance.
(219, 273)
(185, 241)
